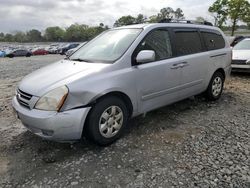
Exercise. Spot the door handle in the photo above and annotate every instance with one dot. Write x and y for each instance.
(175, 66)
(179, 65)
(184, 64)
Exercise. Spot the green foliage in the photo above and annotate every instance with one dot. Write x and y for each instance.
(54, 34)
(179, 14)
(235, 10)
(20, 37)
(167, 13)
(75, 33)
(129, 20)
(140, 19)
(125, 20)
(219, 11)
(34, 36)
(238, 10)
(200, 19)
(8, 38)
(2, 36)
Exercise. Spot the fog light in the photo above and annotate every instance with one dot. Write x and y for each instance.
(47, 132)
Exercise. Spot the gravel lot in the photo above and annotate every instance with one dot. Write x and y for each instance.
(193, 143)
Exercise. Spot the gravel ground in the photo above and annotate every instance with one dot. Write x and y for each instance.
(193, 143)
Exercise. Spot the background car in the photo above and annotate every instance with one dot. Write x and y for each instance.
(241, 56)
(40, 52)
(68, 47)
(71, 51)
(2, 53)
(19, 53)
(236, 40)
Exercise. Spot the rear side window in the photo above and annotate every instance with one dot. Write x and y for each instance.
(187, 42)
(159, 42)
(213, 40)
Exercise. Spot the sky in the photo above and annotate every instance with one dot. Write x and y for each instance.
(23, 15)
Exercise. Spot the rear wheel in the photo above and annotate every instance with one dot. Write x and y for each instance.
(28, 55)
(106, 120)
(215, 87)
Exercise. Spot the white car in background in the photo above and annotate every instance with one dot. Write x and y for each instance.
(241, 56)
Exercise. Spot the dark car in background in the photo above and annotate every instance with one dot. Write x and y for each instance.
(19, 53)
(64, 49)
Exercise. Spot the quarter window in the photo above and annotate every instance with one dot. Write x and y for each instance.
(213, 41)
(159, 42)
(187, 42)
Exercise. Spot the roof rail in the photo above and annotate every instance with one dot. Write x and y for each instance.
(169, 20)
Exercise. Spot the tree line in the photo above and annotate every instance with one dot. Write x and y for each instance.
(74, 33)
(223, 12)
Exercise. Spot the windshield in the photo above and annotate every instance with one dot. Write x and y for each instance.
(107, 47)
(243, 45)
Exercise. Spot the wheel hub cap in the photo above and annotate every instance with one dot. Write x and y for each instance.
(217, 86)
(111, 121)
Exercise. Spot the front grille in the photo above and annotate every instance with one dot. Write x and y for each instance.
(24, 95)
(239, 62)
(23, 98)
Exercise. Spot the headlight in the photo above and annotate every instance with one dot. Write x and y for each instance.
(53, 100)
(248, 61)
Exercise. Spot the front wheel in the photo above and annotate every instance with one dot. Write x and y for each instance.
(215, 86)
(106, 121)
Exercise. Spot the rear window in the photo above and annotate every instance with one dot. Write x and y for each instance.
(187, 42)
(213, 40)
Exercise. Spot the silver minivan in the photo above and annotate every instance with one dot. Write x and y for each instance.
(122, 73)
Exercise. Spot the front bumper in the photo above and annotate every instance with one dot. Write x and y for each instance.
(241, 67)
(56, 126)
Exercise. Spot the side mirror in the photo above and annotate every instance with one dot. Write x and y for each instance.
(145, 56)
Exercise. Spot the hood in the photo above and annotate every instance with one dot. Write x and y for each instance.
(57, 74)
(241, 54)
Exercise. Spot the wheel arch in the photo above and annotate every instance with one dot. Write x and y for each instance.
(119, 94)
(124, 97)
(222, 71)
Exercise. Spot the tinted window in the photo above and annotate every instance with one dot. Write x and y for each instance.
(213, 40)
(159, 42)
(187, 42)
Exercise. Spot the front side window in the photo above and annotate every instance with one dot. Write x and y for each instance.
(187, 42)
(213, 41)
(159, 42)
(107, 47)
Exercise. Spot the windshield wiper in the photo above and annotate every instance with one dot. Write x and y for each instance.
(80, 60)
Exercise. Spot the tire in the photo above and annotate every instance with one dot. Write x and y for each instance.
(215, 86)
(101, 126)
